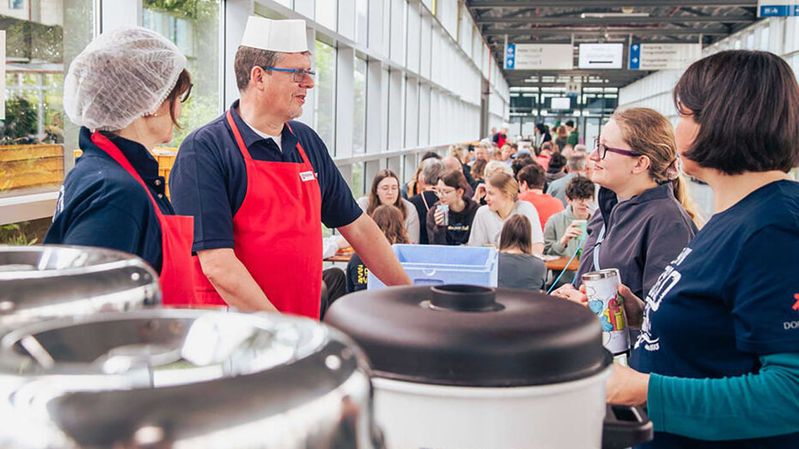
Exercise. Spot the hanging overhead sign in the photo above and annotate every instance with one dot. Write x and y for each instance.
(539, 57)
(777, 8)
(663, 56)
(601, 56)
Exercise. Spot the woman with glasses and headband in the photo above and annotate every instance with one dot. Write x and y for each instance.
(386, 191)
(125, 90)
(642, 220)
(719, 344)
(260, 184)
(449, 221)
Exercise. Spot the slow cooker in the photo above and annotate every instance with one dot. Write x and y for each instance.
(41, 282)
(184, 379)
(467, 367)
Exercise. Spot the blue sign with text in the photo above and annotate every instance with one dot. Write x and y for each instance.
(510, 56)
(635, 56)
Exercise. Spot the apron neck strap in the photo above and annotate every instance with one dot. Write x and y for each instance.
(104, 143)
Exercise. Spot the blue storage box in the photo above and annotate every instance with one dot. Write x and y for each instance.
(441, 264)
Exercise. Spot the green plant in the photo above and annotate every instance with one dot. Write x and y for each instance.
(21, 121)
(12, 234)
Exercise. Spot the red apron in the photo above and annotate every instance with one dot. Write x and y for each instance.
(177, 236)
(277, 234)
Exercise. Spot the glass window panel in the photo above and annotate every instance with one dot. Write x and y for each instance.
(356, 181)
(764, 38)
(35, 136)
(326, 13)
(361, 21)
(194, 28)
(325, 105)
(359, 120)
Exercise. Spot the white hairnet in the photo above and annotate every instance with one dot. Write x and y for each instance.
(120, 76)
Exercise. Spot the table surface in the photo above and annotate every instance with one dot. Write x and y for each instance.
(554, 265)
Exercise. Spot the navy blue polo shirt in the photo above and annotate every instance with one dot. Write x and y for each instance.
(209, 178)
(103, 205)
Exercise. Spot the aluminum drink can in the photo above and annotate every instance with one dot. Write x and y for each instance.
(601, 288)
(444, 208)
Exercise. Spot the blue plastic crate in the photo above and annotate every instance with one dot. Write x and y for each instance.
(440, 264)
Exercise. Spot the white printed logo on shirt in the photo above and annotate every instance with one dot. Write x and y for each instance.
(665, 283)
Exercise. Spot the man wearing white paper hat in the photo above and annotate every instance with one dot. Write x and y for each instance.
(259, 183)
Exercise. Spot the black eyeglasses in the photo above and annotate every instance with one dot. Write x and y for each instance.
(185, 97)
(298, 75)
(603, 149)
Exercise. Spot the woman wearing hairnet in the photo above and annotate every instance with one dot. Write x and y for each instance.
(125, 91)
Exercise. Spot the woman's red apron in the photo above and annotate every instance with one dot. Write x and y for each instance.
(277, 233)
(177, 236)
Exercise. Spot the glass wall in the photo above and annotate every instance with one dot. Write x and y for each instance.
(359, 119)
(194, 27)
(325, 105)
(39, 40)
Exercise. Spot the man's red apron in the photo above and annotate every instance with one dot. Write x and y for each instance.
(277, 233)
(177, 236)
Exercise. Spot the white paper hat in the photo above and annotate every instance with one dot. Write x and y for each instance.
(285, 36)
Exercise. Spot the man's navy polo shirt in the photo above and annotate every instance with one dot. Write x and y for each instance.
(103, 205)
(209, 178)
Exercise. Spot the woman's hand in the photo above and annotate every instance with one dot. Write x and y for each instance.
(567, 291)
(572, 232)
(633, 306)
(438, 215)
(479, 193)
(626, 386)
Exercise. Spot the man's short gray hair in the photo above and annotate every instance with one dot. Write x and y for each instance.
(577, 162)
(431, 171)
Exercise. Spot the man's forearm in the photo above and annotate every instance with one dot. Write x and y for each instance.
(371, 245)
(232, 281)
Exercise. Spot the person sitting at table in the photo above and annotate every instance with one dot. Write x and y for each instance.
(518, 267)
(452, 190)
(642, 221)
(386, 190)
(502, 201)
(389, 219)
(531, 185)
(562, 232)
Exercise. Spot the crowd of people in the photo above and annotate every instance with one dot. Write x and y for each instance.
(497, 193)
(716, 360)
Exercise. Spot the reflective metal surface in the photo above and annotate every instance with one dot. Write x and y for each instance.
(38, 282)
(183, 379)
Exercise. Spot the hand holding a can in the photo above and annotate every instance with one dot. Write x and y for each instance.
(574, 231)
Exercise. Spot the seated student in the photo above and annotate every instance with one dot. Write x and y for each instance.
(389, 220)
(452, 192)
(502, 201)
(562, 232)
(531, 183)
(423, 202)
(386, 190)
(556, 168)
(518, 267)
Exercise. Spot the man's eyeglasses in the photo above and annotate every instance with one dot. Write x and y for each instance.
(185, 97)
(298, 75)
(603, 149)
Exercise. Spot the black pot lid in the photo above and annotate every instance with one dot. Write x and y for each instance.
(472, 336)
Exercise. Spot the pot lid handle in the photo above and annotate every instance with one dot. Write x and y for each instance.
(464, 298)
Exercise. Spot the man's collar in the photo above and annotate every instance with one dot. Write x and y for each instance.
(250, 136)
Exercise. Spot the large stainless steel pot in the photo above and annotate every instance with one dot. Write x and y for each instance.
(468, 367)
(39, 282)
(183, 379)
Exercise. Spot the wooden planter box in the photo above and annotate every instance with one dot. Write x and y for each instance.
(23, 166)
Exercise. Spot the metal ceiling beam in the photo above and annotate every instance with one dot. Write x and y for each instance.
(577, 20)
(609, 30)
(486, 4)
